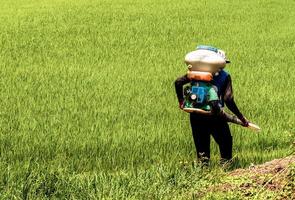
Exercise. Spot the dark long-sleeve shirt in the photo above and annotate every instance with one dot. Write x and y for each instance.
(226, 93)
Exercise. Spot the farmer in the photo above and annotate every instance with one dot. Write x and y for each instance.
(205, 125)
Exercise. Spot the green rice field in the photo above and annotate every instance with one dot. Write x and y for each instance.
(88, 108)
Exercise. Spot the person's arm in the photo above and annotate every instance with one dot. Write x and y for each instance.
(228, 98)
(179, 88)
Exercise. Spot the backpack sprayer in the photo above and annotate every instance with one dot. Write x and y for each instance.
(201, 95)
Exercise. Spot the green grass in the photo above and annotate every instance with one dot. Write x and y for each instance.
(87, 101)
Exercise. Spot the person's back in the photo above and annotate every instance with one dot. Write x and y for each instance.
(202, 97)
(219, 81)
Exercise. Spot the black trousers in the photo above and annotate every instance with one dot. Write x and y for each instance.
(204, 126)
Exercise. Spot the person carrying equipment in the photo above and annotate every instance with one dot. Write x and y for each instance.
(209, 88)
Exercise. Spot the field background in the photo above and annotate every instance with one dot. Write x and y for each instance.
(87, 101)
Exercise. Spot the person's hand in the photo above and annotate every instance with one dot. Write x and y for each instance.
(245, 122)
(181, 104)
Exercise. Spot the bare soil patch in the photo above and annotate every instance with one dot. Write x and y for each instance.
(274, 176)
(271, 175)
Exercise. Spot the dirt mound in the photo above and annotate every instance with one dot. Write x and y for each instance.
(271, 167)
(270, 175)
(272, 180)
